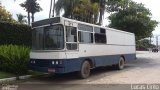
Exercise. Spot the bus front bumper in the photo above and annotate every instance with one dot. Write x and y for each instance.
(55, 66)
(48, 69)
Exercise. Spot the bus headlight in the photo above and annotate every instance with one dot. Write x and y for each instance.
(56, 62)
(53, 62)
(33, 62)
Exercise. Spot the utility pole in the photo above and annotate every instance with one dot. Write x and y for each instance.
(157, 42)
(150, 40)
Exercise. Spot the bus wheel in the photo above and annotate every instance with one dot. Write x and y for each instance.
(120, 64)
(85, 70)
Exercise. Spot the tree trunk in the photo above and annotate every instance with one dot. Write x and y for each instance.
(28, 18)
(72, 6)
(53, 8)
(50, 9)
(100, 17)
(32, 17)
(101, 11)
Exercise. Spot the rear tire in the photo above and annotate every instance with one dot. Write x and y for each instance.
(85, 70)
(120, 64)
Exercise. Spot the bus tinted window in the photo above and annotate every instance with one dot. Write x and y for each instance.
(100, 35)
(100, 38)
(71, 46)
(85, 27)
(99, 30)
(48, 38)
(85, 37)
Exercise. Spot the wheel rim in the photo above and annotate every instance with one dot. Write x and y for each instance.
(86, 70)
(121, 63)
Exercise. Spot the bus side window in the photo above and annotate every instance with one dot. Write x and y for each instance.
(85, 37)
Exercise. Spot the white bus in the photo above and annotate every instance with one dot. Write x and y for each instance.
(61, 45)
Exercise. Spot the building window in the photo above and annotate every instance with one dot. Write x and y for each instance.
(85, 37)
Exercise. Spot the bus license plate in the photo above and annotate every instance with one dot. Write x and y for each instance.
(51, 70)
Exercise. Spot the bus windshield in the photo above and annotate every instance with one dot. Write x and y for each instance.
(48, 38)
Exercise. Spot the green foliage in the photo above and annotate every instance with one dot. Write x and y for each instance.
(5, 15)
(117, 5)
(16, 34)
(21, 19)
(144, 44)
(134, 18)
(5, 75)
(14, 59)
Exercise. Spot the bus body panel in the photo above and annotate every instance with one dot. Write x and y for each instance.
(93, 50)
(71, 65)
(54, 55)
(47, 55)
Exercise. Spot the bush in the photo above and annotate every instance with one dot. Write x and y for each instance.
(15, 34)
(14, 59)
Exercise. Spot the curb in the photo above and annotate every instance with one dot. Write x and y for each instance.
(24, 77)
(14, 78)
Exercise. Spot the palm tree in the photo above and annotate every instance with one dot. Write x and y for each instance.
(26, 6)
(67, 6)
(31, 6)
(21, 18)
(35, 7)
(83, 10)
(86, 11)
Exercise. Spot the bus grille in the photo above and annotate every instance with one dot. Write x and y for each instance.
(43, 63)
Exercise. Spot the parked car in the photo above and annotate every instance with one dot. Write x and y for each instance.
(155, 50)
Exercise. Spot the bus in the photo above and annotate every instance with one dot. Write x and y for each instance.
(61, 45)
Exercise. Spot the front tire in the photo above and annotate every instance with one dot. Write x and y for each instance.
(120, 64)
(85, 70)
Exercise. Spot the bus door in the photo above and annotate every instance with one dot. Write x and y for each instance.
(71, 39)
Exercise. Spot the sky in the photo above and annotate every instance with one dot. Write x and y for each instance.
(14, 8)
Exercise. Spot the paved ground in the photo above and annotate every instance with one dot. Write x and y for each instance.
(144, 70)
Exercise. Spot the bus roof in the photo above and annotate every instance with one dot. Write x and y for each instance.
(57, 20)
